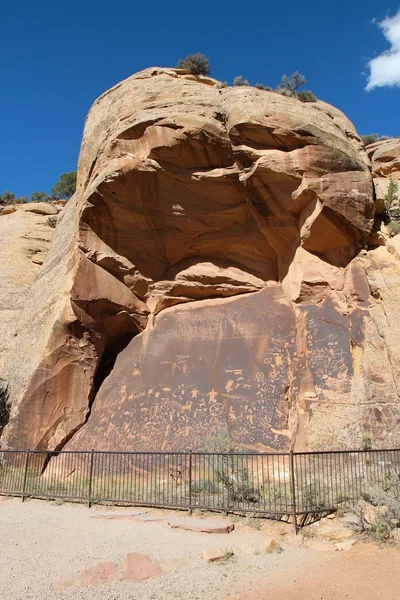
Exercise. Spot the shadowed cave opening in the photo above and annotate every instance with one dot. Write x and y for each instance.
(108, 359)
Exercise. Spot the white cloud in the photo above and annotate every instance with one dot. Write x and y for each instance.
(385, 68)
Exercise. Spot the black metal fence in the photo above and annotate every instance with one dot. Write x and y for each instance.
(275, 485)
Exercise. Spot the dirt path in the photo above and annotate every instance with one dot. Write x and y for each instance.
(46, 548)
(365, 572)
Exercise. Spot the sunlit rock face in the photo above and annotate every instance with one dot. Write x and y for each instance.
(210, 275)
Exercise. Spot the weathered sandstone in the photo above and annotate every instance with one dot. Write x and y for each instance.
(216, 252)
(25, 240)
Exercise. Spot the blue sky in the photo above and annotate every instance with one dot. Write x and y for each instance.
(57, 57)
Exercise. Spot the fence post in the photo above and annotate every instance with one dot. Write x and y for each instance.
(90, 478)
(293, 486)
(190, 482)
(25, 475)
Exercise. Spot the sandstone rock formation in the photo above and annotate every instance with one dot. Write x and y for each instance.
(215, 252)
(385, 159)
(26, 238)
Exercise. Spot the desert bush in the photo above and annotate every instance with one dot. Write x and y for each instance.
(197, 64)
(386, 497)
(209, 486)
(8, 198)
(236, 479)
(366, 442)
(221, 84)
(393, 228)
(306, 96)
(52, 222)
(239, 81)
(40, 197)
(261, 86)
(370, 138)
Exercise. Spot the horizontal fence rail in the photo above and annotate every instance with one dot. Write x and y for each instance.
(294, 484)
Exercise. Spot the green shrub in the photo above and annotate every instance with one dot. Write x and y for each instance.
(392, 195)
(393, 228)
(40, 197)
(208, 486)
(229, 472)
(197, 64)
(381, 530)
(8, 198)
(261, 86)
(370, 138)
(52, 222)
(306, 96)
(366, 443)
(385, 494)
(65, 186)
(221, 84)
(239, 81)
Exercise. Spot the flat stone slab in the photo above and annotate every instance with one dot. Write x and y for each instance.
(119, 515)
(139, 567)
(203, 525)
(149, 518)
(105, 572)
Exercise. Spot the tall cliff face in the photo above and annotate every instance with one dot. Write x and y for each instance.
(216, 248)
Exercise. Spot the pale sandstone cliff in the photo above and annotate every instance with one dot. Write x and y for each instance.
(25, 239)
(217, 247)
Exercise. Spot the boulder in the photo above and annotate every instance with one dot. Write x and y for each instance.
(40, 208)
(385, 158)
(213, 554)
(8, 210)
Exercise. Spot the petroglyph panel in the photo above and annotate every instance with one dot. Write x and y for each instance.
(219, 365)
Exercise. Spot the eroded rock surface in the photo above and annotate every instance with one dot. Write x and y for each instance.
(25, 240)
(214, 247)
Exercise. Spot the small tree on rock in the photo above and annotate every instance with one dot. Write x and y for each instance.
(65, 187)
(392, 200)
(197, 64)
(289, 85)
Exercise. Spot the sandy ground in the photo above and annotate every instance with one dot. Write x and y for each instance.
(46, 546)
